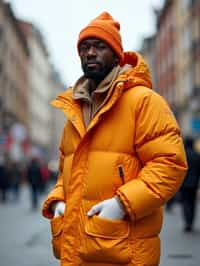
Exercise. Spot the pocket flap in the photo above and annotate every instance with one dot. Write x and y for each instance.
(107, 228)
(56, 225)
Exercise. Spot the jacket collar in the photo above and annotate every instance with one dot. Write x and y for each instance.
(133, 72)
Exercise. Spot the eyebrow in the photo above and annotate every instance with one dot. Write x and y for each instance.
(93, 41)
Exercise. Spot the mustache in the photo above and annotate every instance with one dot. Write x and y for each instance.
(91, 62)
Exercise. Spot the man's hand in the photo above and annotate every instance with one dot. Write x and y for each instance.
(59, 208)
(110, 209)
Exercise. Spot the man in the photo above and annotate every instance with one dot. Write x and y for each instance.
(189, 187)
(121, 159)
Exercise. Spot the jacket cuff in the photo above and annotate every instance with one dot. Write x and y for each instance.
(46, 208)
(126, 204)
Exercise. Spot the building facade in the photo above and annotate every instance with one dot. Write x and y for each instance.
(195, 62)
(40, 91)
(176, 56)
(165, 52)
(148, 52)
(14, 60)
(27, 85)
(58, 117)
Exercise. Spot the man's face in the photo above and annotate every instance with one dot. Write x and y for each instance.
(97, 58)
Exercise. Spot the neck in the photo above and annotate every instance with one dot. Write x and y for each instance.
(93, 85)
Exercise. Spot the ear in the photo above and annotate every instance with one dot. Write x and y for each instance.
(116, 60)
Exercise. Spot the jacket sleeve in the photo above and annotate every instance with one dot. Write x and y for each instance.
(57, 193)
(160, 149)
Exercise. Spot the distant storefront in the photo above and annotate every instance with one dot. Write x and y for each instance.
(195, 125)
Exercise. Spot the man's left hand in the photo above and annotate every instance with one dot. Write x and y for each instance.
(110, 209)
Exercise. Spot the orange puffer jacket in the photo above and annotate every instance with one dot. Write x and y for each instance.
(132, 148)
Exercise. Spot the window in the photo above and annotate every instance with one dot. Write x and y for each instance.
(188, 83)
(186, 37)
(196, 27)
(185, 3)
(1, 32)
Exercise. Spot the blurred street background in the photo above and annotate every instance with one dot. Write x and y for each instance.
(31, 76)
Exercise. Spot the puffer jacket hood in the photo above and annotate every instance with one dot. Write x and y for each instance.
(138, 73)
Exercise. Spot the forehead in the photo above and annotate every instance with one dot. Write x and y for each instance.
(93, 40)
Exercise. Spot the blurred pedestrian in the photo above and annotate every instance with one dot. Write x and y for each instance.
(122, 157)
(34, 179)
(4, 182)
(16, 179)
(45, 174)
(189, 187)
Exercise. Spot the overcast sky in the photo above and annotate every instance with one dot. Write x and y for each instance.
(61, 21)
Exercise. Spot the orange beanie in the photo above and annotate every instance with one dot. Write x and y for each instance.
(104, 27)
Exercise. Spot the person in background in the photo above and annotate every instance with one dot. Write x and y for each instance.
(4, 182)
(122, 157)
(189, 188)
(16, 179)
(45, 174)
(34, 178)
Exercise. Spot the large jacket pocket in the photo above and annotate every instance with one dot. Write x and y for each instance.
(106, 241)
(56, 230)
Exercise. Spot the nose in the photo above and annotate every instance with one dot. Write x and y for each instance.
(91, 51)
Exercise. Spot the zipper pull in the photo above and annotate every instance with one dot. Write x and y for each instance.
(121, 173)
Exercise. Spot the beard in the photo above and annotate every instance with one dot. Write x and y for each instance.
(96, 73)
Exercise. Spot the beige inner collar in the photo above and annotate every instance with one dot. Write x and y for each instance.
(91, 103)
(81, 88)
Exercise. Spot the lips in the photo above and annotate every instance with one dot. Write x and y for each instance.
(92, 64)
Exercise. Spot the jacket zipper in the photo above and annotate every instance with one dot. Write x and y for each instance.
(121, 173)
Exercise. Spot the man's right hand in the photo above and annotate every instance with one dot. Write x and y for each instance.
(58, 208)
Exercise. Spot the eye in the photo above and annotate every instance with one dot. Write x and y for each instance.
(101, 46)
(83, 48)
